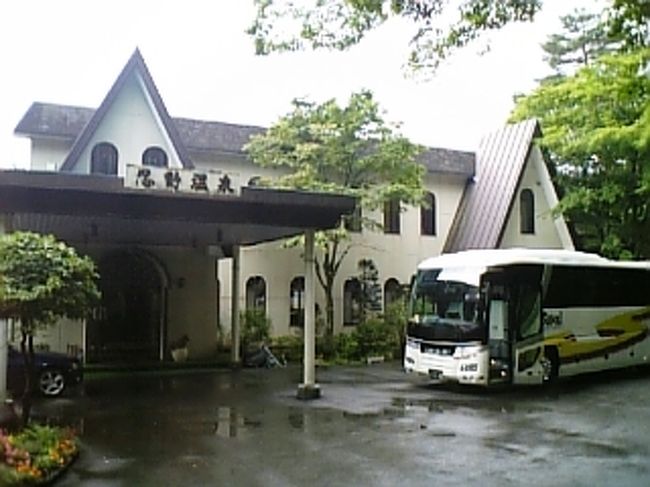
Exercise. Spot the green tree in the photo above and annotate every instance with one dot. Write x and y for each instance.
(629, 22)
(42, 280)
(584, 37)
(438, 26)
(341, 149)
(284, 25)
(596, 127)
(370, 288)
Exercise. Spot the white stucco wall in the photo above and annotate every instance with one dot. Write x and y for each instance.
(396, 256)
(131, 125)
(550, 232)
(49, 154)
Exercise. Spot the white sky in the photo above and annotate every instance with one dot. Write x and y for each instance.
(71, 51)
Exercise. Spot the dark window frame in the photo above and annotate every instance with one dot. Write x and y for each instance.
(297, 302)
(428, 216)
(396, 291)
(149, 157)
(352, 302)
(104, 159)
(392, 217)
(527, 211)
(253, 301)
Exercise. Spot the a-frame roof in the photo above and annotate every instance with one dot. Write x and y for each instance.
(137, 65)
(501, 158)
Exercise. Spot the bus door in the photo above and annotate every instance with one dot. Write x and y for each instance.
(526, 322)
(500, 342)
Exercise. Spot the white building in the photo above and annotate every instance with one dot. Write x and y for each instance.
(162, 279)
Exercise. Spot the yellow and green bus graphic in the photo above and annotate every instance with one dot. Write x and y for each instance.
(612, 335)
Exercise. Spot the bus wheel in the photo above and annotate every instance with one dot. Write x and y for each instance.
(550, 365)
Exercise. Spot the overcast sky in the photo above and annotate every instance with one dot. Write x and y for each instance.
(71, 51)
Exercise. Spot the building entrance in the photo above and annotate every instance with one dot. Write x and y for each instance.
(129, 325)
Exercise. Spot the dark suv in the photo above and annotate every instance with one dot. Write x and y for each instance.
(54, 372)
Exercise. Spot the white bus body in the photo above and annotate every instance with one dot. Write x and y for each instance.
(526, 316)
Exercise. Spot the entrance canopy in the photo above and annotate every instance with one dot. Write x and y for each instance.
(99, 209)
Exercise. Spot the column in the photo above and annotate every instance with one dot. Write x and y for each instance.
(235, 357)
(309, 389)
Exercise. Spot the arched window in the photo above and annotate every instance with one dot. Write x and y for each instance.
(428, 215)
(391, 216)
(392, 292)
(256, 293)
(297, 302)
(155, 157)
(103, 159)
(352, 302)
(527, 211)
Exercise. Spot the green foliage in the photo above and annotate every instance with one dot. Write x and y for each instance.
(596, 128)
(35, 454)
(42, 279)
(396, 318)
(290, 347)
(584, 38)
(346, 150)
(282, 25)
(370, 288)
(629, 23)
(255, 327)
(377, 336)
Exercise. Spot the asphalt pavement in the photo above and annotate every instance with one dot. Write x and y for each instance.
(372, 427)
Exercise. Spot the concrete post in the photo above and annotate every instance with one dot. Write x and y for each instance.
(309, 389)
(235, 341)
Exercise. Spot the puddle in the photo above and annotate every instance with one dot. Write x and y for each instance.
(232, 424)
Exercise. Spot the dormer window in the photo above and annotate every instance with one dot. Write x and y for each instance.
(155, 157)
(103, 159)
(527, 211)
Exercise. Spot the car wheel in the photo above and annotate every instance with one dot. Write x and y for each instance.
(51, 382)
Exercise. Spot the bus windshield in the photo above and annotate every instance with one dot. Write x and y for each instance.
(446, 305)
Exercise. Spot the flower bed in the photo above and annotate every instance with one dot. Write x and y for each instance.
(35, 455)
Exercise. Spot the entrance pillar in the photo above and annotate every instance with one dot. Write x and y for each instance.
(309, 389)
(235, 340)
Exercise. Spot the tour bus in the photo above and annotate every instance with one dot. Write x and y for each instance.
(526, 316)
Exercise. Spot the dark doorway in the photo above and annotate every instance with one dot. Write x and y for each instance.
(128, 326)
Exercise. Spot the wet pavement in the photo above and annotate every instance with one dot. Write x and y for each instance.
(372, 427)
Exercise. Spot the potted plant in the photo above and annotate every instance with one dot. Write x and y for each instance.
(179, 350)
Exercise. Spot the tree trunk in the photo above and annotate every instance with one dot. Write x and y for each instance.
(27, 349)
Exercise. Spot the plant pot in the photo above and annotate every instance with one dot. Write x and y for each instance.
(180, 354)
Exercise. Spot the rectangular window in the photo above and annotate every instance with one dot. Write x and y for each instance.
(392, 217)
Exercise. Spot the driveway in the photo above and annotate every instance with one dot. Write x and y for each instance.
(372, 427)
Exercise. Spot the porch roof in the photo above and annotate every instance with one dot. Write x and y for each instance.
(99, 209)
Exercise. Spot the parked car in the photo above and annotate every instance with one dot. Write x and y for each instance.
(53, 372)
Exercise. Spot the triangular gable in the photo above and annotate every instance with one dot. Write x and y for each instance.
(137, 65)
(481, 218)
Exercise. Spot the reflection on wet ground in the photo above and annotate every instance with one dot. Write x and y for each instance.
(372, 427)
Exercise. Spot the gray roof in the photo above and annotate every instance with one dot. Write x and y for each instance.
(480, 221)
(67, 122)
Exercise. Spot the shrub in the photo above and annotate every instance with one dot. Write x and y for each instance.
(255, 327)
(290, 347)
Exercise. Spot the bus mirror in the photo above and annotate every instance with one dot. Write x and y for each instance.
(497, 320)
